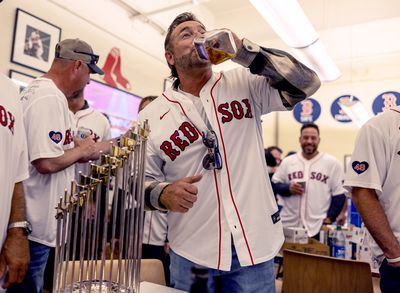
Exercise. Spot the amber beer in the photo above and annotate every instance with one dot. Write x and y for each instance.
(217, 56)
(216, 46)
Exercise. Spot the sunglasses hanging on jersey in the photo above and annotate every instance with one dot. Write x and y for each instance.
(212, 160)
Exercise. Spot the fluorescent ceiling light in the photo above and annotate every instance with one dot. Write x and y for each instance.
(287, 19)
(317, 58)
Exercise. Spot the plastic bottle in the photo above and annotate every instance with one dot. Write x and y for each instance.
(200, 278)
(339, 242)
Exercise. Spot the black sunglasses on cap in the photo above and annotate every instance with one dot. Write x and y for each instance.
(93, 57)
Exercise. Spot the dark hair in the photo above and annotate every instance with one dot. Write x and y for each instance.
(274, 147)
(290, 153)
(309, 125)
(181, 18)
(144, 100)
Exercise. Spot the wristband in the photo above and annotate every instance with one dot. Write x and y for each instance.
(393, 260)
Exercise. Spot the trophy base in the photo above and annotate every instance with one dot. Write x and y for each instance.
(94, 286)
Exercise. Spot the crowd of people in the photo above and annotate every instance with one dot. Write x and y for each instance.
(208, 206)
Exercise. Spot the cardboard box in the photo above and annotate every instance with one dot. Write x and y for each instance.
(295, 235)
(313, 246)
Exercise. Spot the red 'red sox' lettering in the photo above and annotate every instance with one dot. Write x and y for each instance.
(235, 109)
(7, 119)
(180, 139)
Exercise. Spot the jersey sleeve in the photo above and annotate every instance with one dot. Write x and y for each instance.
(337, 176)
(280, 175)
(367, 165)
(20, 150)
(46, 128)
(265, 97)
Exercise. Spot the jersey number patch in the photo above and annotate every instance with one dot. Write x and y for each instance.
(360, 167)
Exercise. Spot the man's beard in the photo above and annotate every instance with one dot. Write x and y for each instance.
(309, 149)
(190, 60)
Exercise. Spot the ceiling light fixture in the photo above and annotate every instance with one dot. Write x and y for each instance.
(287, 19)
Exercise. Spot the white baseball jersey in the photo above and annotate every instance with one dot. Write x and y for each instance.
(235, 202)
(375, 164)
(323, 177)
(99, 126)
(155, 228)
(13, 151)
(48, 124)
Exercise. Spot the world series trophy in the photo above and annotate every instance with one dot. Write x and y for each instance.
(98, 249)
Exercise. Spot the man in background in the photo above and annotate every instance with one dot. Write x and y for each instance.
(374, 182)
(309, 185)
(52, 149)
(14, 229)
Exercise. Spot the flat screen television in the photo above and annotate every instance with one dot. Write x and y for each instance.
(120, 106)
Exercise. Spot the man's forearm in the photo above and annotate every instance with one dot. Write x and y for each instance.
(152, 193)
(375, 220)
(17, 213)
(53, 165)
(336, 206)
(283, 189)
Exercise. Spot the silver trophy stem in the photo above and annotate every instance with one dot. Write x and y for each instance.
(82, 262)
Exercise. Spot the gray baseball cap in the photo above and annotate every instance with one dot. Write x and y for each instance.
(76, 49)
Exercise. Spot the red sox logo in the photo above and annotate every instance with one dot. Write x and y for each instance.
(186, 134)
(179, 140)
(7, 119)
(318, 176)
(235, 109)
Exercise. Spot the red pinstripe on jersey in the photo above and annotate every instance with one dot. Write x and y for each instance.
(227, 169)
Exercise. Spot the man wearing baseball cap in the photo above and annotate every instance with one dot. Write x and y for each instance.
(76, 49)
(52, 150)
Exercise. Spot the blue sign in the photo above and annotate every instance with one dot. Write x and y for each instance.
(336, 111)
(385, 101)
(307, 111)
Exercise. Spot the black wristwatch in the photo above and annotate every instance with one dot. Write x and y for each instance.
(22, 224)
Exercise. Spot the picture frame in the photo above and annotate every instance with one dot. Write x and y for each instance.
(20, 79)
(346, 162)
(34, 41)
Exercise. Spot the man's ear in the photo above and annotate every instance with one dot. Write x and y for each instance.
(169, 57)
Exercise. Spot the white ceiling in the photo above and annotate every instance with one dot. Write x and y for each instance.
(367, 27)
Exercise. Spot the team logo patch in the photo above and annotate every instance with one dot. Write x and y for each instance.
(55, 136)
(360, 167)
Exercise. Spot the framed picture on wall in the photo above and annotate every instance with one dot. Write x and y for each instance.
(21, 79)
(34, 41)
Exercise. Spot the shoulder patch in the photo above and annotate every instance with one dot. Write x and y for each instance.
(55, 136)
(360, 167)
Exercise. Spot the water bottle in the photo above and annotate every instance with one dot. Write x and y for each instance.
(339, 242)
(199, 279)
